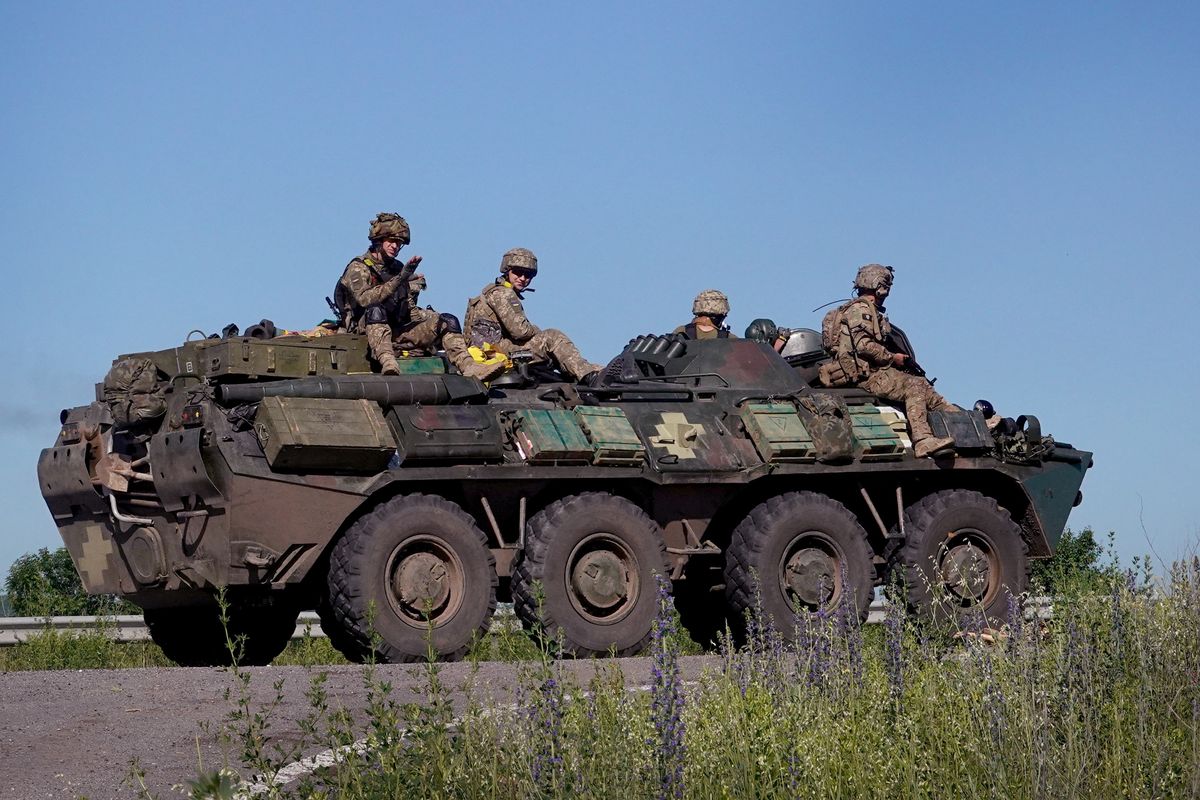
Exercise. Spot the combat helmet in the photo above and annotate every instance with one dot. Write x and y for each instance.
(872, 276)
(518, 258)
(711, 303)
(762, 330)
(389, 226)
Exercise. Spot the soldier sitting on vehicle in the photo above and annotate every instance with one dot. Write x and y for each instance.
(857, 334)
(496, 321)
(709, 310)
(376, 295)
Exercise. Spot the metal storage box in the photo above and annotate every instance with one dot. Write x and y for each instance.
(612, 437)
(285, 357)
(874, 435)
(447, 433)
(550, 435)
(778, 432)
(301, 433)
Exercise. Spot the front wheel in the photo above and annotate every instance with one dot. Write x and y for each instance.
(414, 573)
(595, 557)
(962, 553)
(194, 636)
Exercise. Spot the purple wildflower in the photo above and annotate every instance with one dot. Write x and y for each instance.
(667, 698)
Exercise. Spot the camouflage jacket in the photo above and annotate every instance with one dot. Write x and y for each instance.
(368, 281)
(496, 313)
(861, 332)
(694, 331)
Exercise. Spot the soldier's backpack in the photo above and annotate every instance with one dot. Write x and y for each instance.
(133, 392)
(831, 328)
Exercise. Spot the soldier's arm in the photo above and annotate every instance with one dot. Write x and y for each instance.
(358, 281)
(508, 309)
(862, 324)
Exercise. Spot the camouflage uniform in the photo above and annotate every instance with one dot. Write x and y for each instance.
(496, 316)
(711, 307)
(861, 357)
(700, 333)
(369, 281)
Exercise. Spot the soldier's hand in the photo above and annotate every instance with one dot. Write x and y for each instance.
(412, 263)
(898, 359)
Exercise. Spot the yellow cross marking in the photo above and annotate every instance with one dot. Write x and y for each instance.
(96, 549)
(676, 435)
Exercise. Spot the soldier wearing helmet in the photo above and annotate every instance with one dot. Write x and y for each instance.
(496, 317)
(765, 331)
(858, 336)
(377, 296)
(709, 310)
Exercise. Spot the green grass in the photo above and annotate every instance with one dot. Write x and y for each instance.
(1102, 701)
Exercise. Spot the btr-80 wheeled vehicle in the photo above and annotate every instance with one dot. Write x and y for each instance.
(285, 473)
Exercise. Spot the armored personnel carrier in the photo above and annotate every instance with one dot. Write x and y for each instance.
(283, 472)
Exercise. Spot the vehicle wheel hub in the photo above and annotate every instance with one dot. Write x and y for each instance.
(967, 572)
(810, 574)
(600, 579)
(421, 584)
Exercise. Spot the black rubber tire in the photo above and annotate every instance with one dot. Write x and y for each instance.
(194, 636)
(341, 640)
(972, 520)
(564, 533)
(770, 537)
(363, 564)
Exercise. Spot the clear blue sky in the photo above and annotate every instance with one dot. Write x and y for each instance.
(1030, 169)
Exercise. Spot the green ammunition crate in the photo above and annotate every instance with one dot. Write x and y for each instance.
(778, 433)
(876, 439)
(615, 442)
(550, 435)
(305, 433)
(284, 357)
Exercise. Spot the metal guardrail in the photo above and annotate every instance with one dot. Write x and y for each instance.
(124, 628)
(132, 628)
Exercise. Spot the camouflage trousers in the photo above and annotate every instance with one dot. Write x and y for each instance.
(916, 393)
(418, 337)
(553, 346)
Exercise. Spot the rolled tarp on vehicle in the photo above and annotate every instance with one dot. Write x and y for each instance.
(388, 390)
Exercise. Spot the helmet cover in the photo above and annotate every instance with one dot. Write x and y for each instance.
(518, 258)
(871, 277)
(711, 303)
(389, 226)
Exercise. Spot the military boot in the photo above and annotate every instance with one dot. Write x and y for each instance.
(934, 446)
(483, 372)
(388, 364)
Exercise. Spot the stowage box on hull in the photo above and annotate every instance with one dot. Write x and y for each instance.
(310, 433)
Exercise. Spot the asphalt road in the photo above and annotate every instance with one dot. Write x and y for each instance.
(74, 734)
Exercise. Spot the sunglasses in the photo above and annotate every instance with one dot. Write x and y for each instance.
(520, 272)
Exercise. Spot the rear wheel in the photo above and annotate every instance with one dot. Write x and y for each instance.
(414, 572)
(595, 557)
(799, 552)
(194, 636)
(962, 553)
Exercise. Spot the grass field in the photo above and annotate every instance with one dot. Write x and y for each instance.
(1102, 701)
